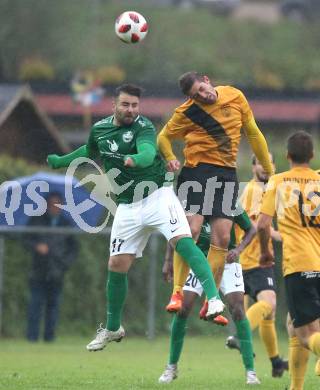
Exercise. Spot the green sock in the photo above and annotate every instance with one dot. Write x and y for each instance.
(199, 265)
(178, 331)
(117, 287)
(245, 338)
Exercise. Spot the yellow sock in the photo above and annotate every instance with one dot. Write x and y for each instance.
(314, 343)
(317, 368)
(298, 360)
(216, 257)
(180, 272)
(268, 335)
(258, 312)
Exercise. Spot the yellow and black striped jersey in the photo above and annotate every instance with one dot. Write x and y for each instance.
(211, 132)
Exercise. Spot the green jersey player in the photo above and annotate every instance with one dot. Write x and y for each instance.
(232, 287)
(126, 144)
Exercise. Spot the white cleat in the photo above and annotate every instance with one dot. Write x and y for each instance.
(169, 374)
(251, 378)
(215, 307)
(105, 336)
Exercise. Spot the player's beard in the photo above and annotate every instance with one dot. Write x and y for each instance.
(125, 120)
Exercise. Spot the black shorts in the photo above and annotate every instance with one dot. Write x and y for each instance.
(303, 297)
(257, 280)
(208, 190)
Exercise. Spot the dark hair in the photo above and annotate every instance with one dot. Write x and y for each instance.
(187, 80)
(130, 89)
(254, 159)
(300, 147)
(53, 194)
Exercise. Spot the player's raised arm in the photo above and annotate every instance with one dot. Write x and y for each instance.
(176, 128)
(258, 144)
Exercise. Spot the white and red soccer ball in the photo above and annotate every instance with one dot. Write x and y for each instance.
(131, 27)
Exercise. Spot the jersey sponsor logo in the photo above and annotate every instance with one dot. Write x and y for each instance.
(113, 146)
(127, 136)
(238, 285)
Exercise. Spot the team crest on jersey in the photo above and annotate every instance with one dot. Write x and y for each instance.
(113, 146)
(127, 136)
(226, 110)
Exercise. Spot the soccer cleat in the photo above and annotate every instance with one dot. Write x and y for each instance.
(175, 303)
(221, 320)
(279, 368)
(251, 378)
(169, 374)
(105, 336)
(317, 368)
(232, 342)
(203, 311)
(215, 307)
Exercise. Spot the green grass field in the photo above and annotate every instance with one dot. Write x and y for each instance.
(132, 364)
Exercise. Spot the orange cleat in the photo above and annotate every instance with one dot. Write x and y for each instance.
(175, 303)
(203, 311)
(221, 320)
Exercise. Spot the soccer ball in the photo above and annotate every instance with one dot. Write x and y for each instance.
(131, 27)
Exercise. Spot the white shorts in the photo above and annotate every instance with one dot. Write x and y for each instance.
(133, 223)
(232, 281)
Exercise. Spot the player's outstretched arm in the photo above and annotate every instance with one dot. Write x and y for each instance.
(55, 161)
(258, 145)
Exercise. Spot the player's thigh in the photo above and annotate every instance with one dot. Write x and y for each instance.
(165, 214)
(128, 234)
(208, 190)
(232, 279)
(220, 231)
(193, 285)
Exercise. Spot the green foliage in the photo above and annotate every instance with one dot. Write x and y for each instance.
(36, 69)
(74, 35)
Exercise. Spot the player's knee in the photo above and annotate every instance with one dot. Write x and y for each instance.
(304, 341)
(195, 231)
(114, 265)
(185, 311)
(222, 240)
